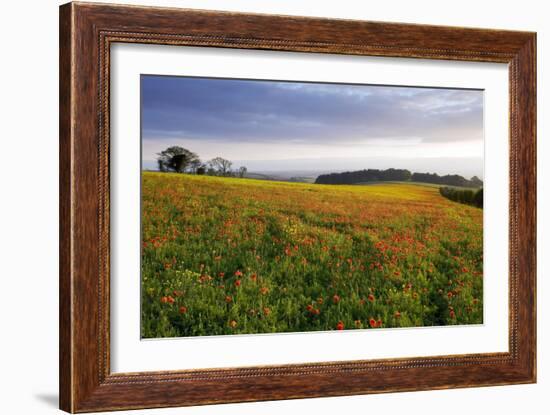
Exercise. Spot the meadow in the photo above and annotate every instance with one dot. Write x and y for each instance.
(239, 256)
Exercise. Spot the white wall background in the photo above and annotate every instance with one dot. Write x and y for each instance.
(29, 205)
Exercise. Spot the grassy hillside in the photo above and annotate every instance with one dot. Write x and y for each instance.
(227, 256)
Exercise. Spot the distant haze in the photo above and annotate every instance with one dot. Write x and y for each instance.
(292, 129)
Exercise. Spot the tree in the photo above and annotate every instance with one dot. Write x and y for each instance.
(161, 165)
(178, 163)
(201, 169)
(466, 196)
(194, 165)
(478, 198)
(221, 165)
(476, 181)
(176, 159)
(242, 171)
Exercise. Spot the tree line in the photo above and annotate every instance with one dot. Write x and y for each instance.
(466, 196)
(181, 160)
(397, 175)
(362, 176)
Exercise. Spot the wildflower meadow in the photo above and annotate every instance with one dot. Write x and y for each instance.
(240, 256)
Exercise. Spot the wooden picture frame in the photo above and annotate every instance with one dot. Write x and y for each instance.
(86, 33)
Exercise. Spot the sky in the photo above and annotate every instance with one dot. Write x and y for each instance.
(274, 126)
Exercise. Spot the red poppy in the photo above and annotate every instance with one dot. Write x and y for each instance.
(205, 278)
(253, 277)
(167, 299)
(372, 323)
(340, 326)
(238, 283)
(309, 307)
(335, 298)
(228, 299)
(449, 294)
(264, 290)
(371, 297)
(238, 273)
(183, 309)
(452, 314)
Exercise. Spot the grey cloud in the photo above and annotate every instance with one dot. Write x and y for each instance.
(329, 114)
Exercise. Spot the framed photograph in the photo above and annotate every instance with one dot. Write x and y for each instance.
(259, 207)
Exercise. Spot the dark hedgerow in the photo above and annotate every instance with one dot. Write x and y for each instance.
(466, 196)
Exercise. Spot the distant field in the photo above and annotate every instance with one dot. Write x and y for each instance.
(437, 186)
(229, 255)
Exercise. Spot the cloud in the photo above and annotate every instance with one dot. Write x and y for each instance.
(277, 111)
